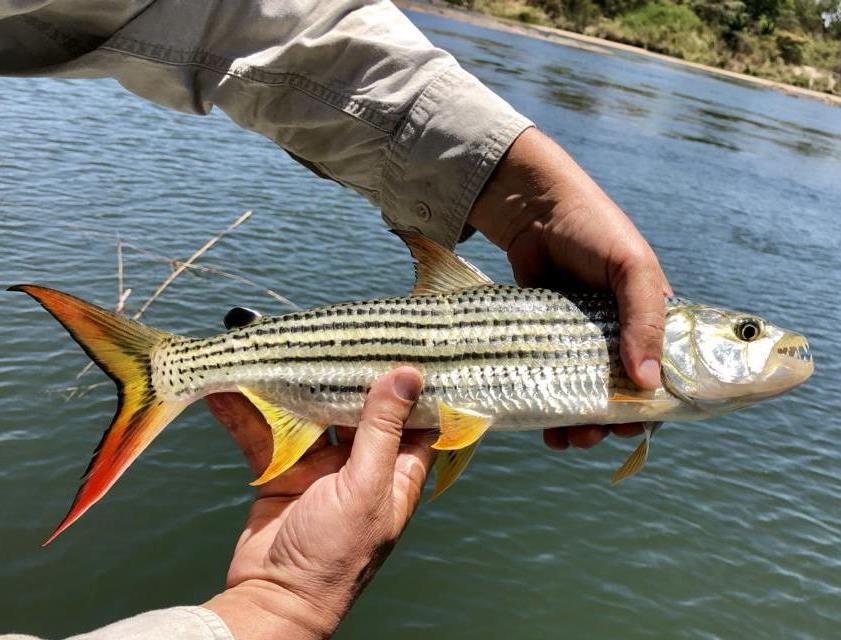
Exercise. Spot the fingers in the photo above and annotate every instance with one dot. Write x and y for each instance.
(627, 430)
(586, 436)
(377, 440)
(639, 286)
(580, 437)
(246, 426)
(556, 438)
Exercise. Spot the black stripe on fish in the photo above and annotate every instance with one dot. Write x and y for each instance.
(389, 357)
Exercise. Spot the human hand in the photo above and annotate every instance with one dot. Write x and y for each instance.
(316, 535)
(554, 222)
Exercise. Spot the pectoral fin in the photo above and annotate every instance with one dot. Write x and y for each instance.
(460, 428)
(636, 461)
(292, 435)
(448, 467)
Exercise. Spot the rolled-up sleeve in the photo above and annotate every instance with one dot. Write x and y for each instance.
(351, 89)
(177, 623)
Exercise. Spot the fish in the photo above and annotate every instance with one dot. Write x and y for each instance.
(494, 358)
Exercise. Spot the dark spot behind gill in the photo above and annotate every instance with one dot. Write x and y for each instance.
(240, 317)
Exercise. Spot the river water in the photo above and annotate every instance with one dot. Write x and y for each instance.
(734, 529)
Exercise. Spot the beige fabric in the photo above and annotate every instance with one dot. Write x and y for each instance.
(349, 87)
(178, 623)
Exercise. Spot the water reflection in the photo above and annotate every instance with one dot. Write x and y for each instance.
(640, 90)
(710, 140)
(777, 242)
(753, 126)
(484, 44)
(570, 98)
(632, 109)
(588, 93)
(498, 67)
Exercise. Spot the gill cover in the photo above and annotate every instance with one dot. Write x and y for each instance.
(122, 348)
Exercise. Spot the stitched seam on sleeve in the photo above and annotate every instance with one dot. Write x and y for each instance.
(495, 147)
(397, 153)
(218, 629)
(71, 44)
(379, 116)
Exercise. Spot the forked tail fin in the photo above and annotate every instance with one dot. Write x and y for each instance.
(122, 348)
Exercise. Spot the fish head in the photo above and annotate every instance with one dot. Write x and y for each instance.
(720, 360)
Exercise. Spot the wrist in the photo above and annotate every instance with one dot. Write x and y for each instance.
(261, 610)
(511, 199)
(532, 181)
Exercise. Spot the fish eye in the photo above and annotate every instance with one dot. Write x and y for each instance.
(748, 329)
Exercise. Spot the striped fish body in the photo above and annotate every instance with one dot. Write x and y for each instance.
(493, 357)
(526, 358)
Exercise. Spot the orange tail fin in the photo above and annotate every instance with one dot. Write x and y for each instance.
(122, 348)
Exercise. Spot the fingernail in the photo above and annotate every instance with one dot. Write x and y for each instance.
(650, 372)
(407, 387)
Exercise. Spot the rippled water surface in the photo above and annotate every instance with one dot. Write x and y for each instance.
(734, 531)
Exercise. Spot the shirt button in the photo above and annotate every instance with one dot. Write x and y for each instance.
(423, 211)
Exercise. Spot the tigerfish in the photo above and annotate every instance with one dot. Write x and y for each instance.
(494, 358)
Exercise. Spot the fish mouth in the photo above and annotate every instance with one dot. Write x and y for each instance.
(794, 346)
(791, 362)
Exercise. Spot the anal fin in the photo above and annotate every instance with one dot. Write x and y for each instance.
(292, 435)
(636, 461)
(449, 466)
(460, 428)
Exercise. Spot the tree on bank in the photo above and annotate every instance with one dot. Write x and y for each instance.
(794, 41)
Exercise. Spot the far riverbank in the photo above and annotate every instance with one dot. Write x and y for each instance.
(599, 45)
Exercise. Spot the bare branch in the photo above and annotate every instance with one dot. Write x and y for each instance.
(184, 266)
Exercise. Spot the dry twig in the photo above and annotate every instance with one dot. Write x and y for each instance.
(179, 268)
(184, 266)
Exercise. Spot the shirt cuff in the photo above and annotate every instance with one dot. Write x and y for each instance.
(177, 623)
(449, 143)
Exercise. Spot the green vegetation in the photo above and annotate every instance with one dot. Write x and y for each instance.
(792, 41)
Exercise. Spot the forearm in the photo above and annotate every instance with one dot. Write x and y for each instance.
(350, 88)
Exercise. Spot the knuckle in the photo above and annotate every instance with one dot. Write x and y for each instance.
(390, 423)
(639, 267)
(649, 337)
(649, 325)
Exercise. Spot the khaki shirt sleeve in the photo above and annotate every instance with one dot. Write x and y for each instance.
(178, 623)
(350, 88)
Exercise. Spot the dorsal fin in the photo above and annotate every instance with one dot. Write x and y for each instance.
(439, 270)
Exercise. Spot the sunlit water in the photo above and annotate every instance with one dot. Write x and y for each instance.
(734, 531)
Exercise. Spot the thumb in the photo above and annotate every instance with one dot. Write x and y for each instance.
(377, 440)
(639, 291)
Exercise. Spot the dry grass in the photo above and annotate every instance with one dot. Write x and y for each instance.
(178, 268)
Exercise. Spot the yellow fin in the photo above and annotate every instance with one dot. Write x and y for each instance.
(292, 435)
(623, 397)
(439, 270)
(459, 427)
(449, 466)
(636, 461)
